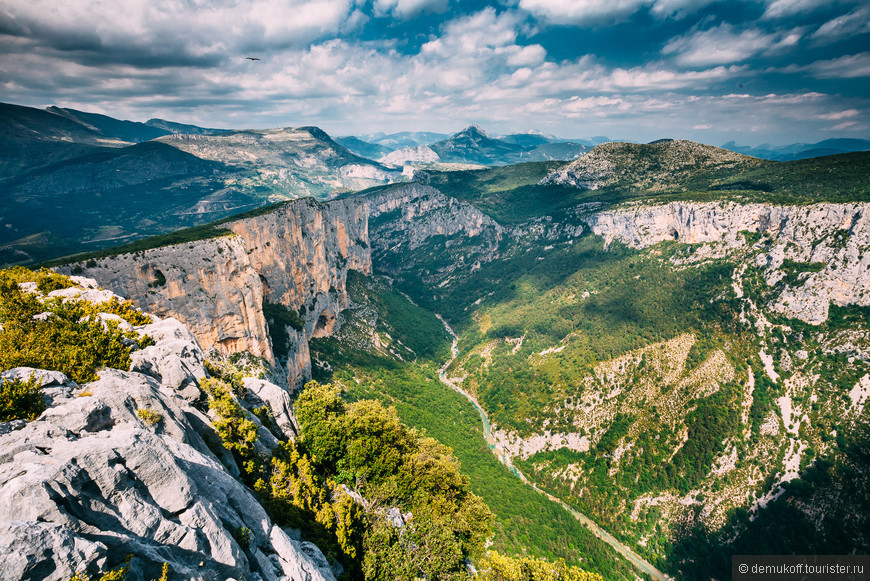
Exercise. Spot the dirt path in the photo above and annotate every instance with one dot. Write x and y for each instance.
(504, 458)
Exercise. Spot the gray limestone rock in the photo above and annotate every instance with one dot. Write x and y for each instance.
(263, 392)
(89, 482)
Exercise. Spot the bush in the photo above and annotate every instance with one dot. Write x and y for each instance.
(46, 280)
(47, 333)
(149, 416)
(496, 567)
(20, 400)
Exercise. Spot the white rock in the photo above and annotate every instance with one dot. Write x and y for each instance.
(278, 401)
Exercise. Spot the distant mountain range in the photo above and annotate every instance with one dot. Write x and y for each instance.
(72, 181)
(94, 181)
(472, 146)
(801, 150)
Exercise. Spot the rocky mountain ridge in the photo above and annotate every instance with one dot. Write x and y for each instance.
(647, 166)
(128, 465)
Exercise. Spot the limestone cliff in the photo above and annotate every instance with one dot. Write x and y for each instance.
(407, 220)
(833, 236)
(298, 256)
(302, 252)
(209, 285)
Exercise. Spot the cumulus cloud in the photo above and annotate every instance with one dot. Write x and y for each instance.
(494, 66)
(724, 45)
(405, 9)
(171, 32)
(581, 12)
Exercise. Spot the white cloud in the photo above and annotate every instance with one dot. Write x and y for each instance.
(594, 12)
(405, 9)
(783, 8)
(855, 22)
(582, 12)
(836, 116)
(185, 29)
(531, 55)
(678, 8)
(845, 67)
(478, 68)
(723, 45)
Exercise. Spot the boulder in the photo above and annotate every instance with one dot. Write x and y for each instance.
(262, 392)
(175, 360)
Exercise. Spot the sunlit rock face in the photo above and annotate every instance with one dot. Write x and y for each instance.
(297, 255)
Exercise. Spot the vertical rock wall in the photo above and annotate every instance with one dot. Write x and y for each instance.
(297, 256)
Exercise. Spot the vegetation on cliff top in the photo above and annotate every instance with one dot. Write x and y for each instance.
(63, 335)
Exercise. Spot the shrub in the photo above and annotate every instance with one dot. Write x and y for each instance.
(242, 535)
(149, 416)
(126, 311)
(496, 567)
(64, 336)
(20, 400)
(46, 280)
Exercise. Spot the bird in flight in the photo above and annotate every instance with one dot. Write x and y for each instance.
(252, 58)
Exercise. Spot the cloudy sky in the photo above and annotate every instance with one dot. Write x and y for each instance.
(755, 71)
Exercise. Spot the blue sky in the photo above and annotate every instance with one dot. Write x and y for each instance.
(755, 71)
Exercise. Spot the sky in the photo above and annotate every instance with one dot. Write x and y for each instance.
(752, 71)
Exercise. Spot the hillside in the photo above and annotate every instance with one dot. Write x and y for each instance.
(93, 188)
(288, 162)
(679, 372)
(130, 452)
(802, 150)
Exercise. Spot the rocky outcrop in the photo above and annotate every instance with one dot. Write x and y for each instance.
(648, 165)
(297, 255)
(833, 236)
(417, 212)
(94, 479)
(421, 153)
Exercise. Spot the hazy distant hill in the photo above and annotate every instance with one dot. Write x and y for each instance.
(801, 150)
(172, 127)
(363, 148)
(473, 145)
(404, 138)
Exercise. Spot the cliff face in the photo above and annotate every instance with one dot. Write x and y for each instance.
(833, 236)
(209, 285)
(301, 253)
(417, 227)
(297, 256)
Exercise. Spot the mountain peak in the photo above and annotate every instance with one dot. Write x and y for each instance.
(474, 130)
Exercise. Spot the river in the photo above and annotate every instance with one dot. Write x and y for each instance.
(505, 459)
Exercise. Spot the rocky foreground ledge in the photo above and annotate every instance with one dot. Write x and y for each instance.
(127, 465)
